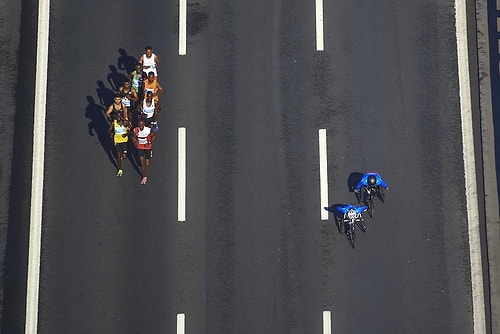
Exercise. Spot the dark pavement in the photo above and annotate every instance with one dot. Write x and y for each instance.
(252, 92)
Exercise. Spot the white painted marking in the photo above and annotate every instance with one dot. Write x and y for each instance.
(181, 326)
(478, 307)
(182, 26)
(323, 173)
(35, 237)
(327, 322)
(319, 26)
(181, 202)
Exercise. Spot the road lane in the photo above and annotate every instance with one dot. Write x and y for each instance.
(110, 253)
(38, 168)
(402, 85)
(323, 173)
(253, 255)
(18, 38)
(181, 178)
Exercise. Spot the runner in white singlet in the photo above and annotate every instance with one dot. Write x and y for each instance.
(149, 61)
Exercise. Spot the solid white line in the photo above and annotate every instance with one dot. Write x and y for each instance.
(327, 322)
(181, 202)
(182, 26)
(33, 280)
(319, 26)
(479, 316)
(323, 173)
(181, 326)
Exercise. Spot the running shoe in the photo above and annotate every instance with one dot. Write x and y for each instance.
(120, 172)
(144, 180)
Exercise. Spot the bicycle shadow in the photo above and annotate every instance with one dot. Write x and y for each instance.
(99, 126)
(353, 180)
(337, 216)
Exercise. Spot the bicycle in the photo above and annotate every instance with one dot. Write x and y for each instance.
(352, 219)
(367, 196)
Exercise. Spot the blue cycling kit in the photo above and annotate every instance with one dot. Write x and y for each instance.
(358, 209)
(364, 181)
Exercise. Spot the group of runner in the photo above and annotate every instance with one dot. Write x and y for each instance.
(135, 110)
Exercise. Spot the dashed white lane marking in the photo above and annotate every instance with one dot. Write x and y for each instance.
(181, 326)
(35, 236)
(479, 316)
(319, 26)
(323, 173)
(182, 26)
(181, 200)
(327, 322)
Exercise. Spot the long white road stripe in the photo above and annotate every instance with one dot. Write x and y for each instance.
(327, 322)
(181, 201)
(182, 26)
(319, 26)
(478, 307)
(181, 326)
(33, 280)
(323, 173)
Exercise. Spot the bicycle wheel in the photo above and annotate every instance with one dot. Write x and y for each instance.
(361, 225)
(381, 194)
(351, 235)
(370, 204)
(359, 195)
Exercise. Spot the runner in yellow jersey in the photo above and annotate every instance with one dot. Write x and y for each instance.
(119, 129)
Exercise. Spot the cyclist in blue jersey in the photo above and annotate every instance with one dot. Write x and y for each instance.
(354, 210)
(371, 180)
(352, 215)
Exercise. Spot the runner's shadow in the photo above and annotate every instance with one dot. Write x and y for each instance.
(99, 126)
(115, 78)
(337, 216)
(133, 156)
(126, 62)
(105, 94)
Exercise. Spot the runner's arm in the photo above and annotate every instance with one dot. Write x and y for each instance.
(134, 136)
(125, 113)
(160, 88)
(109, 111)
(135, 96)
(139, 107)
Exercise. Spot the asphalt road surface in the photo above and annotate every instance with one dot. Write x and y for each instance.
(253, 255)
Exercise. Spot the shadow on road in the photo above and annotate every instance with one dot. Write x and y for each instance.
(126, 62)
(98, 125)
(353, 180)
(336, 216)
(494, 35)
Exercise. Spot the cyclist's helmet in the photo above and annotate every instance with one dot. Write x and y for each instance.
(372, 180)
